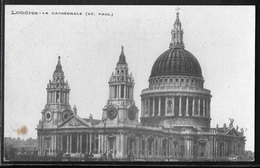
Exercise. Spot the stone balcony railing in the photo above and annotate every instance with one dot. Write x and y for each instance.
(175, 88)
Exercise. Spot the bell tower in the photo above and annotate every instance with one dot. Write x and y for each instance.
(57, 108)
(120, 106)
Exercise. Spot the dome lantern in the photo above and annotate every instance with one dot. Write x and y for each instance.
(177, 33)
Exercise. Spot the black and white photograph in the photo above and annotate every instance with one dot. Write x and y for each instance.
(124, 83)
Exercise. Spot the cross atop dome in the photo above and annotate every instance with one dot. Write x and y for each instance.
(177, 9)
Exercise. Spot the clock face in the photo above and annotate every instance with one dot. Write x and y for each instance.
(66, 115)
(48, 116)
(131, 113)
(112, 113)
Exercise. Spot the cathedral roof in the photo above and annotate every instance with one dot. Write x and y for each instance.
(176, 61)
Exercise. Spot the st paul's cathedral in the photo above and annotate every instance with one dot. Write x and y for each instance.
(174, 115)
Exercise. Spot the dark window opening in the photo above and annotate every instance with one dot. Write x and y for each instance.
(57, 97)
(122, 91)
(66, 116)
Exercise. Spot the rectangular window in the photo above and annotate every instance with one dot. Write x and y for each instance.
(165, 80)
(177, 80)
(170, 80)
(122, 91)
(182, 80)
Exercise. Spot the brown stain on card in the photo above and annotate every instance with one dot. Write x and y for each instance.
(22, 131)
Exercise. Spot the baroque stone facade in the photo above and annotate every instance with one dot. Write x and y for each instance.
(175, 115)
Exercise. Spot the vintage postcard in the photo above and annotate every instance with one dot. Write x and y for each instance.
(85, 83)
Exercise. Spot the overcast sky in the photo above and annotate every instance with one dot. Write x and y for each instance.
(222, 38)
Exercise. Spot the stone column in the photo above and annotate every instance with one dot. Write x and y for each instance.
(113, 91)
(153, 106)
(90, 143)
(77, 143)
(120, 91)
(209, 108)
(180, 99)
(99, 143)
(70, 150)
(52, 143)
(117, 91)
(132, 93)
(55, 97)
(124, 91)
(173, 106)
(142, 107)
(149, 104)
(166, 105)
(137, 147)
(204, 108)
(55, 143)
(145, 108)
(110, 95)
(193, 106)
(67, 143)
(187, 106)
(159, 107)
(80, 144)
(68, 98)
(146, 147)
(61, 142)
(87, 149)
(199, 107)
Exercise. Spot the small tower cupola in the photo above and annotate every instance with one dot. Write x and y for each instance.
(177, 33)
(121, 82)
(122, 59)
(57, 89)
(58, 73)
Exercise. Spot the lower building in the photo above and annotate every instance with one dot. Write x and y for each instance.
(175, 115)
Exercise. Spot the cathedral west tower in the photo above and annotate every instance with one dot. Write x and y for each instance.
(57, 108)
(120, 108)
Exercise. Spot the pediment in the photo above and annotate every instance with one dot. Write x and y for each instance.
(74, 121)
(232, 132)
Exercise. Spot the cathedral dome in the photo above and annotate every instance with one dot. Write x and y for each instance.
(176, 61)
